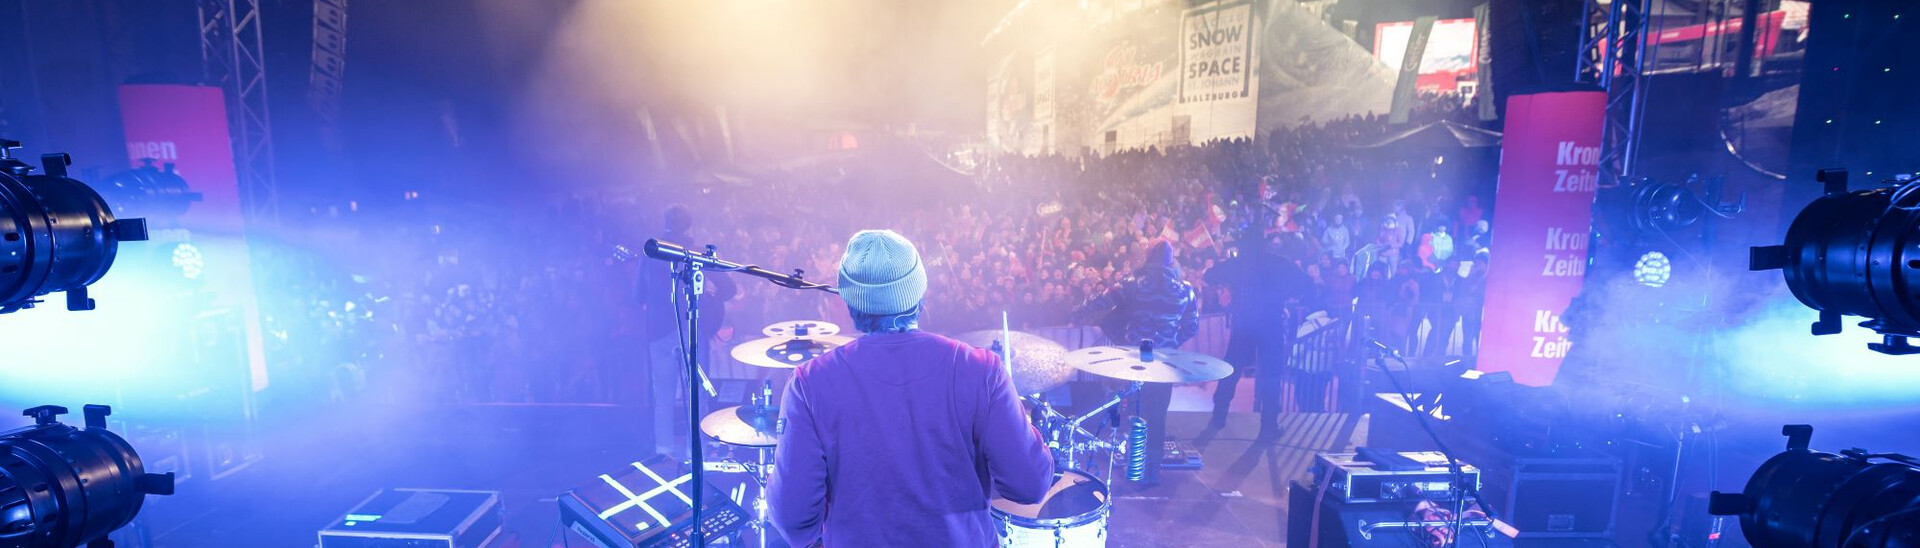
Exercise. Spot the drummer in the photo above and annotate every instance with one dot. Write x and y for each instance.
(900, 437)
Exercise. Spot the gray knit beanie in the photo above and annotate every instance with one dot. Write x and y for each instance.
(881, 273)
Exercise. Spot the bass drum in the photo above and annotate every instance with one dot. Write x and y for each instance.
(1073, 515)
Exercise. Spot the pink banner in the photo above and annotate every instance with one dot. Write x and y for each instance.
(1543, 214)
(187, 126)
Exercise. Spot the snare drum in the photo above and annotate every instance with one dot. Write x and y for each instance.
(1073, 515)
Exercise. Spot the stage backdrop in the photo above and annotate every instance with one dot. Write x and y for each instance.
(1161, 75)
(1549, 167)
(187, 126)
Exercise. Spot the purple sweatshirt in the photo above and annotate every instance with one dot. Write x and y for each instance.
(899, 439)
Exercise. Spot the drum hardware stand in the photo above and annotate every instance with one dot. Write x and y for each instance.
(760, 469)
(763, 462)
(1065, 435)
(1140, 457)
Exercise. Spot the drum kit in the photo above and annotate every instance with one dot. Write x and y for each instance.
(789, 344)
(756, 427)
(1074, 511)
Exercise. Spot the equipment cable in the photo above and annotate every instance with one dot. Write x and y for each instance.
(1461, 487)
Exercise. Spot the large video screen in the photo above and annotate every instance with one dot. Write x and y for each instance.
(1448, 61)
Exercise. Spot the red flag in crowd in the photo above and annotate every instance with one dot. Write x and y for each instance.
(1199, 237)
(1215, 214)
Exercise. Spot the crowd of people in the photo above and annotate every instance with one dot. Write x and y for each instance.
(540, 310)
(1384, 232)
(448, 312)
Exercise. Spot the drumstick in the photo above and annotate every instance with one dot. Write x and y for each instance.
(1006, 345)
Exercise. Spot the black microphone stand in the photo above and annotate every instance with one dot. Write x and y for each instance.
(689, 275)
(692, 281)
(1461, 488)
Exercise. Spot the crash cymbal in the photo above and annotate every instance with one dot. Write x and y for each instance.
(785, 352)
(801, 329)
(748, 425)
(1039, 364)
(1172, 366)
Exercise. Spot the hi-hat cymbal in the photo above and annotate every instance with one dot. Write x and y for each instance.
(748, 425)
(785, 353)
(1039, 364)
(801, 329)
(1124, 363)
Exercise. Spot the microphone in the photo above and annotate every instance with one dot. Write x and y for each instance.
(666, 251)
(1382, 347)
(1137, 449)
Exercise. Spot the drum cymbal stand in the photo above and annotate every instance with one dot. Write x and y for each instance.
(1068, 438)
(760, 468)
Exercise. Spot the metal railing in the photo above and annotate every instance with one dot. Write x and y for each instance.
(1325, 349)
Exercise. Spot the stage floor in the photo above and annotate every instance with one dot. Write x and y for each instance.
(314, 472)
(1239, 497)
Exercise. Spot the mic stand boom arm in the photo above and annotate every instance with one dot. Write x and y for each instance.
(672, 252)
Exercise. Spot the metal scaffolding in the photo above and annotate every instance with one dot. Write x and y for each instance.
(1613, 47)
(230, 47)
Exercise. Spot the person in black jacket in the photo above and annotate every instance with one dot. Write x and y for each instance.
(663, 308)
(1154, 304)
(1262, 285)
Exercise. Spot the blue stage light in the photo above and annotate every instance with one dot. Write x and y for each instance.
(187, 258)
(1653, 269)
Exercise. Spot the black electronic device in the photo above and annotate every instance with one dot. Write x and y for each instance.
(418, 518)
(1181, 455)
(1567, 497)
(1381, 524)
(646, 504)
(1351, 479)
(1386, 460)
